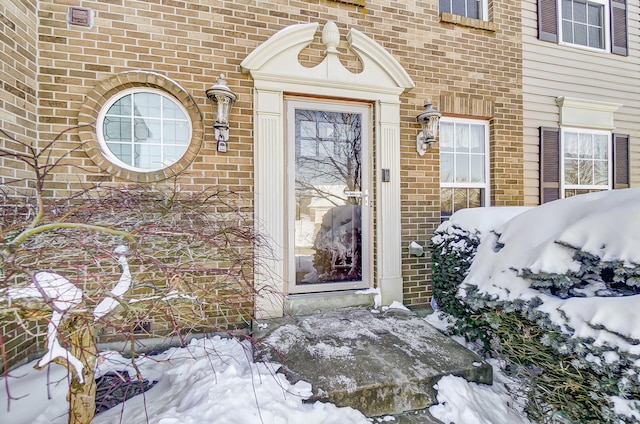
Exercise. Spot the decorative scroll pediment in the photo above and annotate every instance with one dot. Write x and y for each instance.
(277, 60)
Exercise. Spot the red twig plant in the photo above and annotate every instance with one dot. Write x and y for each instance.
(123, 262)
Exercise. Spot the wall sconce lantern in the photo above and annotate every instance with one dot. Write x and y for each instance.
(221, 98)
(430, 121)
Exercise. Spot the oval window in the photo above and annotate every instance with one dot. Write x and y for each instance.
(143, 130)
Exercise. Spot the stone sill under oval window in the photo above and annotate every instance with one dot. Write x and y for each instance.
(467, 22)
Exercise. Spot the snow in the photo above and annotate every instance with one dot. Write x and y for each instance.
(543, 239)
(214, 380)
(464, 402)
(211, 380)
(62, 295)
(108, 304)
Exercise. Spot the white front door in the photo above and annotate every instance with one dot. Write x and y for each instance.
(328, 195)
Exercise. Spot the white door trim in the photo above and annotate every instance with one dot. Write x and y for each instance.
(276, 70)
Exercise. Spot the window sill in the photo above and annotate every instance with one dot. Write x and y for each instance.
(361, 3)
(467, 22)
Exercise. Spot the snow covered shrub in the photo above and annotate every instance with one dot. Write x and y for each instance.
(452, 251)
(558, 286)
(453, 247)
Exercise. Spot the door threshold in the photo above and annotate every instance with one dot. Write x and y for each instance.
(311, 303)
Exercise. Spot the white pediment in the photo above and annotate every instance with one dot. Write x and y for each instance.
(276, 60)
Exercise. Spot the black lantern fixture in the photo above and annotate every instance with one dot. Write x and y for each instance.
(221, 98)
(429, 120)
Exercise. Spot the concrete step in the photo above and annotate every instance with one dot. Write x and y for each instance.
(381, 363)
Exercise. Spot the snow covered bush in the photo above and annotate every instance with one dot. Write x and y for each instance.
(453, 247)
(558, 287)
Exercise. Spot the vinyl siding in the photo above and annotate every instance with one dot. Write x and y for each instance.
(551, 70)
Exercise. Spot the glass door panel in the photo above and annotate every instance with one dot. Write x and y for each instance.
(328, 196)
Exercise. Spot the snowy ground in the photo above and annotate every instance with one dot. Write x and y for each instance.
(215, 381)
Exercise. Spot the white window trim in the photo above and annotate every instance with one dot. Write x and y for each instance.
(484, 11)
(119, 95)
(564, 186)
(487, 160)
(607, 28)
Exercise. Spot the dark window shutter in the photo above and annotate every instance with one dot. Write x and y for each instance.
(548, 20)
(549, 164)
(619, 38)
(620, 161)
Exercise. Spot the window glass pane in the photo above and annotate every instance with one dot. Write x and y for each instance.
(446, 202)
(148, 131)
(595, 14)
(175, 132)
(567, 31)
(570, 145)
(567, 10)
(462, 168)
(121, 107)
(473, 9)
(147, 156)
(585, 146)
(477, 169)
(475, 198)
(585, 173)
(595, 38)
(571, 172)
(121, 151)
(460, 198)
(458, 7)
(172, 153)
(601, 172)
(444, 6)
(477, 139)
(462, 137)
(147, 105)
(116, 129)
(446, 168)
(600, 144)
(171, 110)
(579, 12)
(446, 136)
(580, 34)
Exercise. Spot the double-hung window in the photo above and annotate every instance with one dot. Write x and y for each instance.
(584, 23)
(593, 24)
(578, 160)
(585, 161)
(475, 9)
(464, 165)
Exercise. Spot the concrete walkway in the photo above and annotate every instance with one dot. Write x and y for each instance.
(381, 363)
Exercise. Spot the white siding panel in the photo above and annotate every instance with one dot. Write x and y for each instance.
(551, 70)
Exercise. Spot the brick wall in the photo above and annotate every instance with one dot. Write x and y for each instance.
(18, 104)
(469, 68)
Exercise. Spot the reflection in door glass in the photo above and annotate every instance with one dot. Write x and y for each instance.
(328, 196)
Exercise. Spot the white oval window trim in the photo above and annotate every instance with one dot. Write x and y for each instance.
(154, 125)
